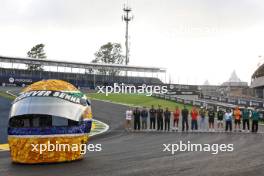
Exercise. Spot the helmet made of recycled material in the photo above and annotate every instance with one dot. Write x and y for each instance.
(32, 117)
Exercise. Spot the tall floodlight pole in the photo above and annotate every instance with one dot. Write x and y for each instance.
(127, 18)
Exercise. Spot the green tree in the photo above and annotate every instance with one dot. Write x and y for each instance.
(110, 53)
(36, 52)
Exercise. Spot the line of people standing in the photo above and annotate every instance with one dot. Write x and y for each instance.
(160, 119)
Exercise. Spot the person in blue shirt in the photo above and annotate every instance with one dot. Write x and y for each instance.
(144, 118)
(255, 119)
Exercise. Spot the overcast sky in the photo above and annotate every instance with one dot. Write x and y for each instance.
(195, 40)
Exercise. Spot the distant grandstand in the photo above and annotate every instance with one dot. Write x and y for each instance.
(13, 71)
(257, 82)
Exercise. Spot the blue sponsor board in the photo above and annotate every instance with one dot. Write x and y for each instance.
(222, 99)
(211, 106)
(214, 98)
(172, 98)
(189, 102)
(171, 93)
(181, 87)
(179, 100)
(186, 92)
(161, 96)
(16, 80)
(206, 97)
(232, 101)
(197, 103)
(257, 104)
(167, 97)
(243, 102)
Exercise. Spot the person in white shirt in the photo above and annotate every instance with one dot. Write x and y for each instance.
(228, 118)
(129, 114)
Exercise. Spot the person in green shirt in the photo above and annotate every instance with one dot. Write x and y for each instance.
(255, 119)
(245, 117)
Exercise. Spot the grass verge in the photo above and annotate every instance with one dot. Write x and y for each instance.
(7, 96)
(136, 100)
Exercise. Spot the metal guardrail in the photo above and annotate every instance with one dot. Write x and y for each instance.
(208, 101)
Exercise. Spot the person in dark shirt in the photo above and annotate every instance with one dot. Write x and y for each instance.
(245, 117)
(211, 116)
(152, 117)
(136, 114)
(160, 118)
(167, 115)
(185, 114)
(220, 119)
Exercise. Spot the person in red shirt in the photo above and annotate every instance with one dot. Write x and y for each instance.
(176, 116)
(194, 115)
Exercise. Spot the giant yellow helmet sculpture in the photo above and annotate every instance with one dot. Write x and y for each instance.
(50, 121)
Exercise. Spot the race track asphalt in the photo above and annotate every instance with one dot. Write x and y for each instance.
(141, 153)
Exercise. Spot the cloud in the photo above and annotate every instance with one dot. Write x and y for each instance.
(192, 34)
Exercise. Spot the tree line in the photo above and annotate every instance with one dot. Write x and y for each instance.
(109, 53)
